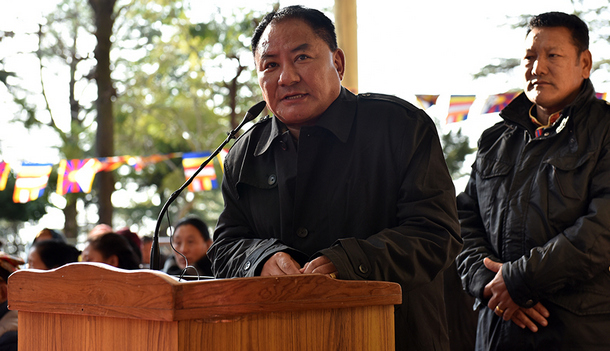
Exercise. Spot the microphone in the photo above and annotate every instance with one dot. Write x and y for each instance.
(155, 254)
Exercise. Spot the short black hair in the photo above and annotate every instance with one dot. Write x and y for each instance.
(321, 25)
(578, 28)
(115, 244)
(56, 253)
(200, 225)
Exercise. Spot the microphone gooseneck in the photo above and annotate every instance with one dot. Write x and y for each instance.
(155, 255)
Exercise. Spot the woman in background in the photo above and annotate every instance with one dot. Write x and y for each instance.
(112, 249)
(192, 239)
(49, 254)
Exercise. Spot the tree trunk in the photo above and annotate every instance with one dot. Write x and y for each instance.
(104, 140)
(70, 225)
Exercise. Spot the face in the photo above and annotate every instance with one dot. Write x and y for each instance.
(190, 243)
(92, 255)
(34, 261)
(554, 71)
(298, 73)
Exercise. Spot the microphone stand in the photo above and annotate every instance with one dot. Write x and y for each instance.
(155, 255)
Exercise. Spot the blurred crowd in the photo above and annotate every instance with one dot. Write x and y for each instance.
(186, 255)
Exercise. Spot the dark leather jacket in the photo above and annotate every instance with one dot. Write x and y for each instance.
(542, 207)
(367, 187)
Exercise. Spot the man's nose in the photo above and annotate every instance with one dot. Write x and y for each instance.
(539, 66)
(288, 75)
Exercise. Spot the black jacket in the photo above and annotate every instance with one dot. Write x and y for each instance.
(367, 187)
(542, 207)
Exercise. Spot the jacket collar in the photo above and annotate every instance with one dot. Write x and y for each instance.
(518, 110)
(338, 119)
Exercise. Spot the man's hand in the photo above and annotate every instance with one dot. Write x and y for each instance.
(524, 316)
(319, 265)
(503, 305)
(280, 263)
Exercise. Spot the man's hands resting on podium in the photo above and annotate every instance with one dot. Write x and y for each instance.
(282, 263)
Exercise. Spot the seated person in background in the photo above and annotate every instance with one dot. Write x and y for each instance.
(8, 319)
(99, 229)
(48, 234)
(49, 254)
(112, 249)
(192, 239)
(134, 241)
(145, 247)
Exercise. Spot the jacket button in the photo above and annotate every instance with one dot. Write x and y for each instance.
(302, 232)
(363, 269)
(272, 179)
(247, 266)
(529, 303)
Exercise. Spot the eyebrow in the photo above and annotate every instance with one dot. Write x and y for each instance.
(301, 47)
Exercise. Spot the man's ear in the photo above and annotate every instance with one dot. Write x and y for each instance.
(586, 62)
(339, 62)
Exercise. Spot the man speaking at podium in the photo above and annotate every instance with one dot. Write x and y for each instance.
(353, 186)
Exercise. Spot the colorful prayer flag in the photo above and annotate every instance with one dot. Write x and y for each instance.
(32, 179)
(601, 96)
(139, 162)
(5, 169)
(459, 105)
(496, 103)
(109, 164)
(206, 179)
(76, 175)
(426, 100)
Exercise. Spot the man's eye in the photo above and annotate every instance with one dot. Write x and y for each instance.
(302, 57)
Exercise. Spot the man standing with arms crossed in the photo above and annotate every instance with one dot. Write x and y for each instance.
(334, 183)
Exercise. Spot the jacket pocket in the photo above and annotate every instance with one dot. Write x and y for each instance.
(569, 178)
(488, 168)
(570, 175)
(587, 298)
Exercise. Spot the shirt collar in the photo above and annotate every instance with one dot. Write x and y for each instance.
(552, 118)
(338, 119)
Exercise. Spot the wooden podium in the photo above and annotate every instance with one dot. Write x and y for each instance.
(92, 307)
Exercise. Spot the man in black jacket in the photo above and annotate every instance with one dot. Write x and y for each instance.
(535, 215)
(334, 183)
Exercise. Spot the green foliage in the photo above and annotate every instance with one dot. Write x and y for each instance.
(504, 65)
(455, 148)
(174, 96)
(4, 75)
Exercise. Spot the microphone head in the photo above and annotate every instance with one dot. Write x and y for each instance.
(254, 111)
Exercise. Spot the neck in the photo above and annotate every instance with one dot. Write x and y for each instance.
(294, 131)
(542, 115)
